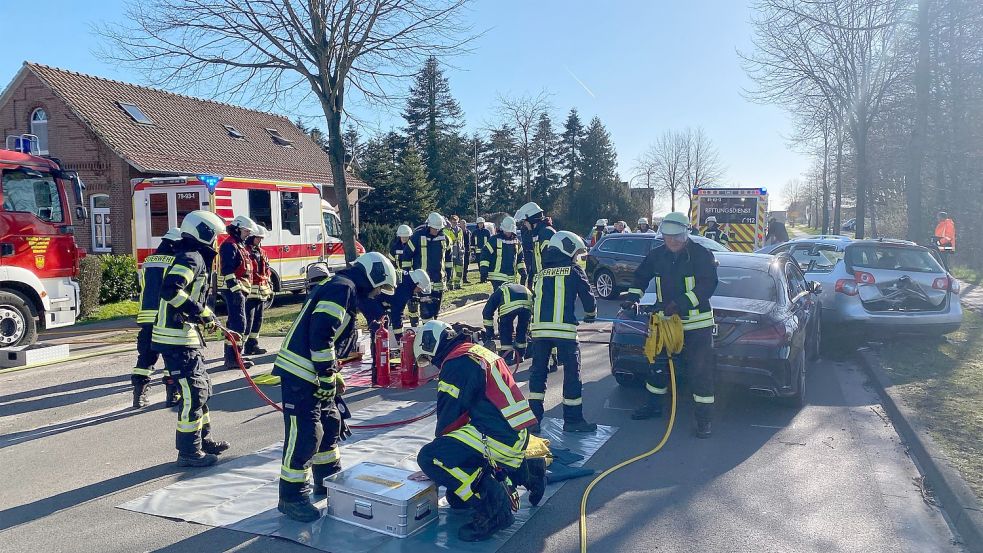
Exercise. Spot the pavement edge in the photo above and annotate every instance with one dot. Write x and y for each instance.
(957, 499)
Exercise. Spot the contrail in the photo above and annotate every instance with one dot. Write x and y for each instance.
(580, 82)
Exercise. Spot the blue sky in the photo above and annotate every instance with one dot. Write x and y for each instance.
(644, 67)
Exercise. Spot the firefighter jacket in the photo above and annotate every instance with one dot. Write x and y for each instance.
(394, 305)
(456, 238)
(716, 234)
(151, 276)
(308, 350)
(595, 236)
(539, 241)
(479, 237)
(502, 259)
(235, 269)
(182, 298)
(556, 289)
(506, 299)
(261, 289)
(687, 279)
(433, 255)
(945, 233)
(479, 403)
(401, 254)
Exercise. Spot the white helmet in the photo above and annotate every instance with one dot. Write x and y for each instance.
(261, 232)
(711, 219)
(436, 220)
(568, 243)
(480, 221)
(404, 231)
(380, 271)
(507, 224)
(643, 221)
(428, 340)
(318, 271)
(531, 209)
(173, 235)
(246, 223)
(422, 279)
(601, 223)
(203, 226)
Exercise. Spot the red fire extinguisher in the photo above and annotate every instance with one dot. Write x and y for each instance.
(380, 358)
(409, 375)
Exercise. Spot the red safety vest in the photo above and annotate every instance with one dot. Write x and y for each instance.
(261, 268)
(500, 388)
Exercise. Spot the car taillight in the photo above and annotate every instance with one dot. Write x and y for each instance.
(774, 334)
(863, 278)
(946, 283)
(846, 286)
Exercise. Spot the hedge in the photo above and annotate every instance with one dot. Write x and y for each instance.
(119, 278)
(376, 237)
(90, 284)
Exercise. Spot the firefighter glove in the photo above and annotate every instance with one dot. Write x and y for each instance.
(325, 387)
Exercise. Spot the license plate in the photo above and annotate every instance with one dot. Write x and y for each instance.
(714, 330)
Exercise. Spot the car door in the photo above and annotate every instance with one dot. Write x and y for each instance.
(802, 303)
(635, 250)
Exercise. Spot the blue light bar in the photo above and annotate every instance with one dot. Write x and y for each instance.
(210, 181)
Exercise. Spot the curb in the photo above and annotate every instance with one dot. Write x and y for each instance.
(957, 499)
(69, 358)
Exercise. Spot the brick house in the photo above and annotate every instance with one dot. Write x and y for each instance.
(111, 132)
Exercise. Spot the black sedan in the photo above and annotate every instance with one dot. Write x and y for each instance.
(611, 263)
(767, 328)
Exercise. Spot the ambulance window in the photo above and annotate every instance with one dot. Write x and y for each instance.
(159, 222)
(331, 224)
(260, 209)
(186, 203)
(290, 212)
(32, 192)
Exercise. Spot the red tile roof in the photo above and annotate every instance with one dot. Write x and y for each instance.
(187, 135)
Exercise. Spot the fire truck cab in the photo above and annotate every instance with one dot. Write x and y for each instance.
(303, 228)
(39, 259)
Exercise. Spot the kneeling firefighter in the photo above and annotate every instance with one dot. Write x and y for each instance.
(479, 453)
(310, 382)
(685, 277)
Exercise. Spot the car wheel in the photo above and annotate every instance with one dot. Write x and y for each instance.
(798, 400)
(17, 324)
(604, 283)
(627, 380)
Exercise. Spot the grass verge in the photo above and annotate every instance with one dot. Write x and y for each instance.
(967, 275)
(110, 311)
(942, 381)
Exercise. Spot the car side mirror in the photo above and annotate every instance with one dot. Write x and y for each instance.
(815, 287)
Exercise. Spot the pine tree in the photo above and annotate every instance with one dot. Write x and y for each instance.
(570, 148)
(412, 187)
(545, 148)
(378, 169)
(599, 192)
(353, 146)
(501, 165)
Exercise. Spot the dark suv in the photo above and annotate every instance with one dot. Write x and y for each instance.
(611, 263)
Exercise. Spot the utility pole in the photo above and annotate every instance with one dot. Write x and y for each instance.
(475, 178)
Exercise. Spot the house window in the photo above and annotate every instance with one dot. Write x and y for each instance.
(39, 128)
(279, 140)
(290, 212)
(234, 132)
(102, 236)
(260, 209)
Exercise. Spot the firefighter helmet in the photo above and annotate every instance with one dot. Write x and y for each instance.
(173, 234)
(508, 224)
(429, 338)
(643, 221)
(261, 232)
(245, 223)
(203, 226)
(317, 272)
(711, 219)
(527, 211)
(568, 243)
(404, 231)
(422, 279)
(601, 223)
(674, 223)
(380, 271)
(480, 221)
(436, 220)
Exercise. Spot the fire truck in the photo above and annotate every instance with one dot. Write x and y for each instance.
(302, 227)
(39, 259)
(741, 212)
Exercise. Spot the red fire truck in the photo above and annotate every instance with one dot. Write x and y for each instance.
(39, 259)
(302, 228)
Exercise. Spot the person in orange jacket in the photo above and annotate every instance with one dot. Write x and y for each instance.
(945, 234)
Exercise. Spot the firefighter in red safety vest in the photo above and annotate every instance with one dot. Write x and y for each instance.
(260, 291)
(235, 279)
(481, 435)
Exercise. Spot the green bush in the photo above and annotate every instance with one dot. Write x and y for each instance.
(90, 284)
(119, 278)
(376, 237)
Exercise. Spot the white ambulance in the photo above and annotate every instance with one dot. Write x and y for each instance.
(303, 228)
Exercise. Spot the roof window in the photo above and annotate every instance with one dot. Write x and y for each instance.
(135, 113)
(234, 132)
(279, 140)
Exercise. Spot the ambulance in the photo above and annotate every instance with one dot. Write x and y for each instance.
(741, 212)
(302, 227)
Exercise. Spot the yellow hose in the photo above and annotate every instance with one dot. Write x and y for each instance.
(665, 335)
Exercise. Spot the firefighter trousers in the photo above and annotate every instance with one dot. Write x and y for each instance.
(187, 367)
(413, 310)
(311, 431)
(430, 309)
(701, 363)
(568, 355)
(513, 330)
(254, 319)
(146, 356)
(450, 462)
(235, 306)
(467, 263)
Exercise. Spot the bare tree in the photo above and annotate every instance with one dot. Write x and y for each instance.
(664, 161)
(522, 113)
(701, 162)
(279, 50)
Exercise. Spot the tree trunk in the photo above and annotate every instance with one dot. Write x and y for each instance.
(916, 153)
(825, 181)
(838, 204)
(336, 155)
(860, 147)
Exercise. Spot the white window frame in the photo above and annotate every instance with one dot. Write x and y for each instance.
(42, 136)
(103, 212)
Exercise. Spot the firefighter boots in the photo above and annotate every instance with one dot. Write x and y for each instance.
(579, 425)
(492, 513)
(213, 447)
(199, 459)
(301, 510)
(703, 429)
(652, 409)
(141, 387)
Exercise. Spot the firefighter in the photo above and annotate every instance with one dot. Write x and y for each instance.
(235, 280)
(430, 251)
(398, 249)
(513, 302)
(456, 237)
(502, 259)
(644, 227)
(260, 291)
(597, 233)
(685, 276)
(310, 382)
(621, 227)
(480, 235)
(715, 232)
(151, 275)
(537, 230)
(481, 435)
(179, 339)
(554, 327)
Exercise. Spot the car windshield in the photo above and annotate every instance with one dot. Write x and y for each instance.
(740, 282)
(816, 258)
(893, 258)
